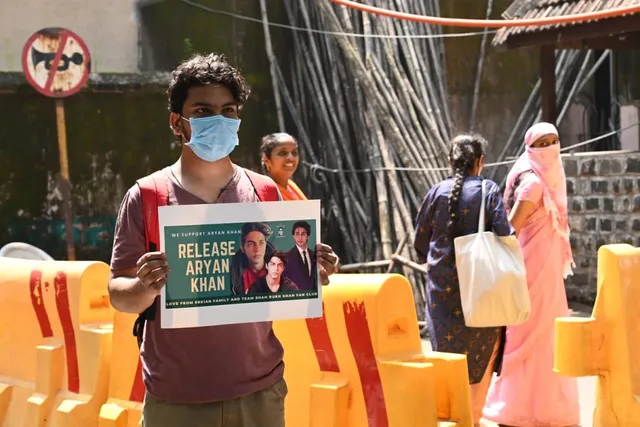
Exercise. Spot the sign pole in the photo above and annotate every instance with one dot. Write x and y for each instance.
(56, 62)
(65, 182)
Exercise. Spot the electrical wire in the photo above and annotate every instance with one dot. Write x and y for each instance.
(335, 33)
(489, 23)
(314, 168)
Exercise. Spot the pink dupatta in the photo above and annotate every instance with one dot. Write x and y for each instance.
(547, 165)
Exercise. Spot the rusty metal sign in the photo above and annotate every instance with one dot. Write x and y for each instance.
(56, 62)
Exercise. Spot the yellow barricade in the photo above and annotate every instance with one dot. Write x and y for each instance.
(124, 404)
(55, 342)
(363, 363)
(608, 343)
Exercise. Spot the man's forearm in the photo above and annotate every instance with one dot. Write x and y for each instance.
(128, 295)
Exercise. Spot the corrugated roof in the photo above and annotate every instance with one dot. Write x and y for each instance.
(529, 9)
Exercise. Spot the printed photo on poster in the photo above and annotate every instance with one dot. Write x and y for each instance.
(238, 263)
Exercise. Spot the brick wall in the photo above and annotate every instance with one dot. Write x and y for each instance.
(604, 208)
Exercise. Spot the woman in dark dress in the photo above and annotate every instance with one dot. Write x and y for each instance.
(451, 209)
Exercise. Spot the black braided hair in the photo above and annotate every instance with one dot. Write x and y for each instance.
(511, 198)
(269, 142)
(464, 150)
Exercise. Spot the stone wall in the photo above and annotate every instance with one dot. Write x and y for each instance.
(604, 208)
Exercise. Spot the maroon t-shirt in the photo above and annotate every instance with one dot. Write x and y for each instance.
(197, 365)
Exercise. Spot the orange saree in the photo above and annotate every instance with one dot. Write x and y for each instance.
(292, 192)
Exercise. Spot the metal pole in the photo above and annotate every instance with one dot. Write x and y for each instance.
(65, 182)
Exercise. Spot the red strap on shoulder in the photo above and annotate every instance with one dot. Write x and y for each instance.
(266, 189)
(154, 193)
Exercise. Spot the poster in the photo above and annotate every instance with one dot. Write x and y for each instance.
(239, 263)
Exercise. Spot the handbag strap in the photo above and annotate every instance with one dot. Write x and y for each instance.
(483, 204)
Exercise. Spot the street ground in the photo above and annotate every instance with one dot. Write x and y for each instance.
(586, 385)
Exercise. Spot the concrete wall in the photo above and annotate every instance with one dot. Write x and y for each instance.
(108, 27)
(115, 133)
(506, 82)
(604, 208)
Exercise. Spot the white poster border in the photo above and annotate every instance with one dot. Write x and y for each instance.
(224, 213)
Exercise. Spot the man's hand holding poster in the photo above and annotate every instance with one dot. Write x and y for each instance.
(239, 263)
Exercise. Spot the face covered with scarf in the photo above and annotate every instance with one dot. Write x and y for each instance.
(542, 157)
(543, 153)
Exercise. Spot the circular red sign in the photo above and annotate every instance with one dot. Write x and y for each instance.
(56, 62)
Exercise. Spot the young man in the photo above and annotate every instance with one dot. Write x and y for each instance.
(274, 281)
(248, 264)
(253, 241)
(301, 263)
(230, 375)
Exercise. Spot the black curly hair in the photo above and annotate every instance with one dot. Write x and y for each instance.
(200, 70)
(269, 142)
(464, 150)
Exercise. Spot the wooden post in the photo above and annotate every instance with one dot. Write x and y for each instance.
(65, 182)
(548, 83)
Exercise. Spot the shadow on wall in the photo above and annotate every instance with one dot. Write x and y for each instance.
(112, 138)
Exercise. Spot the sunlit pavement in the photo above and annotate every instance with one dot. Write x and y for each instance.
(586, 386)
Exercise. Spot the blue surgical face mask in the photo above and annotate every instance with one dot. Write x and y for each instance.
(214, 137)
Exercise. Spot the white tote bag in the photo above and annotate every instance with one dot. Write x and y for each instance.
(492, 277)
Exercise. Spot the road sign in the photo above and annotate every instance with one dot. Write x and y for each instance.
(56, 62)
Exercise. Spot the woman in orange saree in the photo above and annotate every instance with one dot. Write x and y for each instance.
(280, 159)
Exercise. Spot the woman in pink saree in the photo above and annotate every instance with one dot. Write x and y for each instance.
(528, 393)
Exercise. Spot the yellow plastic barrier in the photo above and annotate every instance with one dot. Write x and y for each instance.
(123, 408)
(608, 343)
(55, 342)
(363, 364)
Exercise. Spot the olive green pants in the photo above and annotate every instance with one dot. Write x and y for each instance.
(264, 408)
